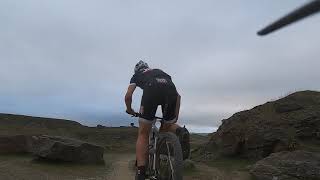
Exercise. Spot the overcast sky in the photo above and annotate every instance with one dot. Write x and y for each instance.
(74, 58)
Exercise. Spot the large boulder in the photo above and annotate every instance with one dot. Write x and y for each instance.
(69, 150)
(272, 127)
(297, 165)
(16, 144)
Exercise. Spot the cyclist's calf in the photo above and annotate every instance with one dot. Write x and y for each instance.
(142, 143)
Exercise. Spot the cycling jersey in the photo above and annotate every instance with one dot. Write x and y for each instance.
(158, 89)
(150, 76)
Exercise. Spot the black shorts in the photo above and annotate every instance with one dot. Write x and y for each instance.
(154, 95)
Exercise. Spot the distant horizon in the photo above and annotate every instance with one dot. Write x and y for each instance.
(125, 119)
(192, 128)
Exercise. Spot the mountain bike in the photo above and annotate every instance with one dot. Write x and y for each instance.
(165, 161)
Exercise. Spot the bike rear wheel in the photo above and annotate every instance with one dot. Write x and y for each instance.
(169, 161)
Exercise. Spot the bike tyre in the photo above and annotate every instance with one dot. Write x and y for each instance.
(177, 151)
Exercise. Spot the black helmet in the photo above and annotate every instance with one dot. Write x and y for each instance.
(140, 66)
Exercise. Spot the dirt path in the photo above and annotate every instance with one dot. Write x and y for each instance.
(121, 169)
(117, 167)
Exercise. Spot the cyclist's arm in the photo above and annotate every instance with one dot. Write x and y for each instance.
(178, 106)
(128, 98)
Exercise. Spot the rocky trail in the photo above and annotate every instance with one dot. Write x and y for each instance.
(121, 169)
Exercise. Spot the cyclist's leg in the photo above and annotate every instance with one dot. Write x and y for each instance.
(184, 138)
(147, 111)
(183, 135)
(142, 149)
(169, 127)
(169, 114)
(142, 143)
(169, 110)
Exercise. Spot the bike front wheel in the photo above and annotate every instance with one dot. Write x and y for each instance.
(169, 160)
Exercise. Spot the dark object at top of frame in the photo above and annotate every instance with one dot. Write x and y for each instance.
(298, 14)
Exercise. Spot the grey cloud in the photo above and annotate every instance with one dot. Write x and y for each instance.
(74, 59)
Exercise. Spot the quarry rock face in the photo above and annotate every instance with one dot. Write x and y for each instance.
(284, 165)
(16, 144)
(56, 148)
(271, 127)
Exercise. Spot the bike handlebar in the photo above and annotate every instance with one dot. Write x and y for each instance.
(140, 115)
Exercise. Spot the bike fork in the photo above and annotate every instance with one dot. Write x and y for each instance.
(152, 160)
(153, 141)
(154, 154)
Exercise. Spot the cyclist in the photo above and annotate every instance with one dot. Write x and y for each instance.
(158, 89)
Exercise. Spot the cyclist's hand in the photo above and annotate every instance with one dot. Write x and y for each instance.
(131, 111)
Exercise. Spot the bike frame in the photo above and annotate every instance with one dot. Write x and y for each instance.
(153, 140)
(152, 154)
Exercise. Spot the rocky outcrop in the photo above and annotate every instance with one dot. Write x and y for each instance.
(16, 144)
(295, 165)
(69, 150)
(272, 127)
